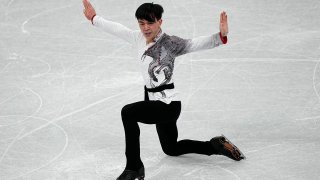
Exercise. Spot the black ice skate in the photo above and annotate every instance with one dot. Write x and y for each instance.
(226, 148)
(132, 175)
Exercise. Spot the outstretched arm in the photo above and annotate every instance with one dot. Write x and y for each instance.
(204, 42)
(110, 27)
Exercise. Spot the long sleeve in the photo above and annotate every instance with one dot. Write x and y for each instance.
(198, 43)
(116, 29)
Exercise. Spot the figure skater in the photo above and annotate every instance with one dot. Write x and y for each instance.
(161, 106)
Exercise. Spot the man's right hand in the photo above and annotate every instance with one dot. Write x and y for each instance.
(88, 10)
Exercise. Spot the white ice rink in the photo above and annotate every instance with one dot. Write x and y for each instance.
(63, 84)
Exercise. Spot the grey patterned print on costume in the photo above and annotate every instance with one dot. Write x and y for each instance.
(163, 53)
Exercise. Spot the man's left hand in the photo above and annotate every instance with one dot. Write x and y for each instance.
(224, 24)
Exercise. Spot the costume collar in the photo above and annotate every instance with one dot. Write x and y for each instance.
(158, 36)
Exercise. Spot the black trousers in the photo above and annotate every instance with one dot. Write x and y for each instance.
(165, 117)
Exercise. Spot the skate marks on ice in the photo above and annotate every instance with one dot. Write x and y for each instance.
(34, 137)
(18, 151)
(177, 169)
(312, 121)
(29, 142)
(316, 87)
(53, 10)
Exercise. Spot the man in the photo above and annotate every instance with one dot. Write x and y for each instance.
(157, 52)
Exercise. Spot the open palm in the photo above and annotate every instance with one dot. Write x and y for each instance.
(88, 11)
(224, 24)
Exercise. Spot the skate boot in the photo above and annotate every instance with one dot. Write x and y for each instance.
(225, 147)
(132, 175)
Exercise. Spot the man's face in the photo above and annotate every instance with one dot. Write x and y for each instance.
(149, 29)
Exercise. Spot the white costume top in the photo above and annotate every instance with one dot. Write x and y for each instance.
(157, 58)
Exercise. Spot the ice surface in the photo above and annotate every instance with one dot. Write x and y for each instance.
(63, 84)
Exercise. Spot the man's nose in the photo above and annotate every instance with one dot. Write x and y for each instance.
(146, 27)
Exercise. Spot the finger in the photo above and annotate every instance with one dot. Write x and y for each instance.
(225, 17)
(89, 3)
(86, 3)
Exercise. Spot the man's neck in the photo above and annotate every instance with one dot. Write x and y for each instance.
(155, 39)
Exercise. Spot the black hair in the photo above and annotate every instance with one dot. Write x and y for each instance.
(149, 11)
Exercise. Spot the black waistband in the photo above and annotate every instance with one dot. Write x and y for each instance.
(159, 88)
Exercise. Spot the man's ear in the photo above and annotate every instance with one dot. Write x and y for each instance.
(160, 21)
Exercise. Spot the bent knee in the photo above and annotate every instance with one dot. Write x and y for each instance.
(125, 111)
(171, 152)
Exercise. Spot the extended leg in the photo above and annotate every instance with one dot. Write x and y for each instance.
(168, 135)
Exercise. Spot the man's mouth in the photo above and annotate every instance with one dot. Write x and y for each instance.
(147, 34)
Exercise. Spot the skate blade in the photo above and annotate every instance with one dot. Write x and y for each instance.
(242, 156)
